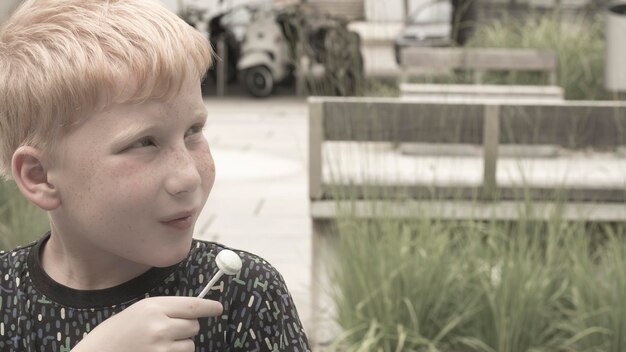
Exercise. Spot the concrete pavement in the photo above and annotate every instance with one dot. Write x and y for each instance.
(259, 202)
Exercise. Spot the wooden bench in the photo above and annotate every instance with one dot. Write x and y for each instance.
(467, 93)
(572, 129)
(348, 9)
(478, 60)
(461, 161)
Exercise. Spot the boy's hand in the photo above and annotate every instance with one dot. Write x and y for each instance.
(153, 324)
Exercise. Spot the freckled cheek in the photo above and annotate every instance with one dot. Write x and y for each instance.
(123, 177)
(206, 168)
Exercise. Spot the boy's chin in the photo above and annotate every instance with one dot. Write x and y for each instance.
(171, 257)
(169, 261)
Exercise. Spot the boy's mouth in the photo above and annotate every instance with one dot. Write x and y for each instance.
(181, 221)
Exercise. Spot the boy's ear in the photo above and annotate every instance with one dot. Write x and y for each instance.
(31, 176)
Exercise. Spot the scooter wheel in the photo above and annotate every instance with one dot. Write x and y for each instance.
(258, 81)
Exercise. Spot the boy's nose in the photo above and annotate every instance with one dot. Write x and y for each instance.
(183, 175)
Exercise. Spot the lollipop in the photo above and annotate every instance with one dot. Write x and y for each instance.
(228, 262)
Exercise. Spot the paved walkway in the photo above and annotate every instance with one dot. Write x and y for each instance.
(260, 199)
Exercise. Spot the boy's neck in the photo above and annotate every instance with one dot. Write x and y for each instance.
(70, 265)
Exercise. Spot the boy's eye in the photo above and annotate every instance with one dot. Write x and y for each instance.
(195, 129)
(143, 143)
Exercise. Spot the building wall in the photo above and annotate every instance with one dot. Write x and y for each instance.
(384, 11)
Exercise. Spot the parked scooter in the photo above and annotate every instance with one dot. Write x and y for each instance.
(264, 55)
(264, 43)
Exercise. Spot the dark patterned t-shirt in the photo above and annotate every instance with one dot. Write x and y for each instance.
(39, 314)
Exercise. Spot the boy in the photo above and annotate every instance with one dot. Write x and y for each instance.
(101, 120)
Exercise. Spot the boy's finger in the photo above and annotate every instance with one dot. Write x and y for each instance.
(181, 329)
(186, 345)
(190, 307)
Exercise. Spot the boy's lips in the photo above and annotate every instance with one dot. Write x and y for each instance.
(181, 221)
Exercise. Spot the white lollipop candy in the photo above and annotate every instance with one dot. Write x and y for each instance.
(228, 262)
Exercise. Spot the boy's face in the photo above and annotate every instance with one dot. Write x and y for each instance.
(133, 179)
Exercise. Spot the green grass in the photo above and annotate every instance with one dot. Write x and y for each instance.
(380, 87)
(426, 285)
(400, 293)
(579, 44)
(596, 316)
(20, 221)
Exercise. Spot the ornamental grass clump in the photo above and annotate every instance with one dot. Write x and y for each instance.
(596, 313)
(526, 286)
(402, 285)
(578, 42)
(491, 286)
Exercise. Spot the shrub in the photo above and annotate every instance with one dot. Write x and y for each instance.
(579, 43)
(20, 221)
(429, 285)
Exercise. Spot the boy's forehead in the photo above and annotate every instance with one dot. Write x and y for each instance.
(157, 109)
(128, 118)
(130, 98)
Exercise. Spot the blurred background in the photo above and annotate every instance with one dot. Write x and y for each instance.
(353, 47)
(419, 281)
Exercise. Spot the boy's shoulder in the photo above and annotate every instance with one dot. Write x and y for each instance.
(257, 276)
(15, 259)
(14, 270)
(203, 251)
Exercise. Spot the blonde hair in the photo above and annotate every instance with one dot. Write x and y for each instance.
(61, 60)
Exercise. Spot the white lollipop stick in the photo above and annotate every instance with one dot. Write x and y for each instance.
(228, 263)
